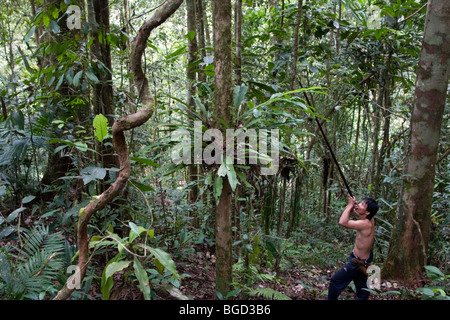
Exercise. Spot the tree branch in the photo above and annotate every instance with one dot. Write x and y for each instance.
(412, 15)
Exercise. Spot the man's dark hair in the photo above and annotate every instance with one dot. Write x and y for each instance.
(372, 207)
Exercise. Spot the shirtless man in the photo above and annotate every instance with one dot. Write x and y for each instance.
(362, 251)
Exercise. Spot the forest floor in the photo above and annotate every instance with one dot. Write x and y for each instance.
(298, 283)
(302, 282)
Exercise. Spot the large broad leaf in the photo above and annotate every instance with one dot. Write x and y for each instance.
(232, 178)
(142, 277)
(91, 76)
(92, 173)
(239, 94)
(164, 259)
(77, 78)
(135, 231)
(434, 272)
(107, 280)
(100, 124)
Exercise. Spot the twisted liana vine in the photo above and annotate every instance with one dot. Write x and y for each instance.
(120, 145)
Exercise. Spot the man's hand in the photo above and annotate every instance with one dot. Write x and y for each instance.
(351, 202)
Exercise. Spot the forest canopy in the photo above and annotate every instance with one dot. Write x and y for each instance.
(170, 149)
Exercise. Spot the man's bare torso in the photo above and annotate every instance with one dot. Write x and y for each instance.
(364, 240)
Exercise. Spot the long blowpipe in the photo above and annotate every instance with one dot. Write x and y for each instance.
(326, 142)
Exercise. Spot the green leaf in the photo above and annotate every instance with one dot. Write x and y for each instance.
(218, 186)
(434, 271)
(92, 173)
(239, 94)
(46, 20)
(91, 76)
(55, 13)
(60, 81)
(81, 146)
(55, 27)
(140, 186)
(100, 124)
(208, 178)
(176, 54)
(30, 33)
(142, 277)
(28, 199)
(232, 178)
(222, 172)
(107, 279)
(77, 78)
(145, 161)
(164, 258)
(135, 231)
(13, 215)
(114, 267)
(190, 35)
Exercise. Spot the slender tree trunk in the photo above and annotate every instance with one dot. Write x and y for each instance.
(280, 222)
(375, 136)
(238, 45)
(408, 247)
(191, 76)
(358, 121)
(98, 16)
(298, 20)
(223, 95)
(200, 16)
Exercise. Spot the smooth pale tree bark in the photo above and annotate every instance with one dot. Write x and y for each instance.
(408, 247)
(120, 145)
(223, 95)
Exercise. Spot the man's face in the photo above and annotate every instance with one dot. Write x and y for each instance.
(361, 209)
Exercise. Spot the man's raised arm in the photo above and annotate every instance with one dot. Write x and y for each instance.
(345, 216)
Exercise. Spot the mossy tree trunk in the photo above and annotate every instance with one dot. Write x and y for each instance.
(223, 95)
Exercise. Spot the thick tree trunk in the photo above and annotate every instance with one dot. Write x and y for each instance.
(407, 252)
(223, 95)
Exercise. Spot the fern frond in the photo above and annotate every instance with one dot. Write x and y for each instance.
(38, 263)
(268, 293)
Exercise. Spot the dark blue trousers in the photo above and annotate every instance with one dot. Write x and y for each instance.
(343, 277)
